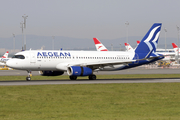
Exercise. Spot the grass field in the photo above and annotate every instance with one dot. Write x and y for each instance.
(138, 101)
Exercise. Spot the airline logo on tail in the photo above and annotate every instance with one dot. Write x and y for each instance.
(175, 48)
(174, 45)
(99, 45)
(5, 55)
(153, 37)
(150, 40)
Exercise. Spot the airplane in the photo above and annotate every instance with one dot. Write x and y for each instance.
(84, 63)
(99, 45)
(175, 47)
(128, 47)
(4, 58)
(5, 55)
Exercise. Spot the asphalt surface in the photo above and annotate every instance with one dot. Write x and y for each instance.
(50, 82)
(107, 81)
(128, 71)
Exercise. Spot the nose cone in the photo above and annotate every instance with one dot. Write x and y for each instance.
(11, 63)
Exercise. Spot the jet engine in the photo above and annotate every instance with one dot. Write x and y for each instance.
(79, 71)
(51, 73)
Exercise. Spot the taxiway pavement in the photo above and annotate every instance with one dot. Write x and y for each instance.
(128, 71)
(107, 81)
(98, 81)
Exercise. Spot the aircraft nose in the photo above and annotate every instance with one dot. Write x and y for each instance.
(10, 63)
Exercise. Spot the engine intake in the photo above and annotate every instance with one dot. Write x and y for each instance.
(51, 73)
(79, 71)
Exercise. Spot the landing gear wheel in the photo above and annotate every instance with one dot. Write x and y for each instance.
(73, 77)
(92, 77)
(28, 78)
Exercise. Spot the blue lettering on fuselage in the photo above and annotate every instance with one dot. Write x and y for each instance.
(44, 54)
(61, 54)
(53, 54)
(67, 54)
(56, 54)
(39, 54)
(50, 54)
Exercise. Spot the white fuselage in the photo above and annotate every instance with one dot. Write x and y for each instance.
(36, 60)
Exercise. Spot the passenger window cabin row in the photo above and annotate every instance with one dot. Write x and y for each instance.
(83, 57)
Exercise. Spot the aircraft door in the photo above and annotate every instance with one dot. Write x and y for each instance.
(32, 58)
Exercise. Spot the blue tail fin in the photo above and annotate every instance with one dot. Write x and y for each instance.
(149, 43)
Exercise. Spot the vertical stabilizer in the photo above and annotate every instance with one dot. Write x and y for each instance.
(128, 47)
(5, 55)
(150, 40)
(175, 47)
(99, 45)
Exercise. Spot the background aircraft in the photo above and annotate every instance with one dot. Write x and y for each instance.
(99, 45)
(128, 47)
(175, 47)
(4, 58)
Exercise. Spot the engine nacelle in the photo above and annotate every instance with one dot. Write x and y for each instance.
(79, 71)
(51, 73)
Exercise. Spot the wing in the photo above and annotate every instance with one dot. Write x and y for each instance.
(95, 65)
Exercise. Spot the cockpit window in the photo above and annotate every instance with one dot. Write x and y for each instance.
(19, 56)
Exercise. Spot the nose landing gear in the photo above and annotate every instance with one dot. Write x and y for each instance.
(28, 78)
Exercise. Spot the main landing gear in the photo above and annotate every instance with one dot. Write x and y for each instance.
(28, 78)
(73, 77)
(91, 77)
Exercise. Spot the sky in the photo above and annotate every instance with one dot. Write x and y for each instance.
(104, 19)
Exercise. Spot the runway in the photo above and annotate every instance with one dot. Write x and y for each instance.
(128, 71)
(107, 81)
(98, 81)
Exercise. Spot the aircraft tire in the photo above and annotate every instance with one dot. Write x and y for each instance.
(92, 77)
(28, 78)
(73, 77)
